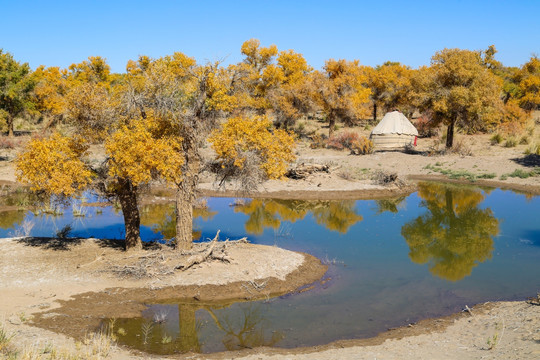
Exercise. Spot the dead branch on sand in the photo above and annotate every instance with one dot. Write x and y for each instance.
(214, 251)
(164, 262)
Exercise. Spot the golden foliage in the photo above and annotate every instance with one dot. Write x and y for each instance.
(340, 92)
(513, 114)
(136, 153)
(50, 90)
(242, 135)
(390, 85)
(529, 84)
(54, 165)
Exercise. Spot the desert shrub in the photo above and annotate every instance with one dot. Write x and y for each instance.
(384, 177)
(511, 129)
(300, 128)
(362, 146)
(510, 142)
(524, 140)
(318, 141)
(523, 174)
(487, 176)
(462, 148)
(358, 145)
(7, 143)
(64, 232)
(345, 174)
(533, 149)
(496, 139)
(343, 140)
(425, 126)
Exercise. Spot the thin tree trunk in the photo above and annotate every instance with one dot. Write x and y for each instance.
(331, 126)
(128, 201)
(374, 112)
(450, 134)
(10, 121)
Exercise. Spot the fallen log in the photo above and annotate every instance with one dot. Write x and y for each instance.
(303, 170)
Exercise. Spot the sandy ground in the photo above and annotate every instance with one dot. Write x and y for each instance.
(70, 285)
(514, 327)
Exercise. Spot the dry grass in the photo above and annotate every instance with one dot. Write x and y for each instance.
(95, 346)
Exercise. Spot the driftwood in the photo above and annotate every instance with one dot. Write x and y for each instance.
(214, 251)
(303, 170)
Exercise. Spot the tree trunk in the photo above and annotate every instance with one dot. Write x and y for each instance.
(331, 126)
(184, 217)
(128, 201)
(185, 197)
(374, 112)
(9, 123)
(450, 134)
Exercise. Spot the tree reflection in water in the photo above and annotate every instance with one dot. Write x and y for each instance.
(247, 329)
(454, 235)
(390, 205)
(11, 218)
(161, 219)
(270, 213)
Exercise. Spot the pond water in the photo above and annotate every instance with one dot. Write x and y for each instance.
(391, 263)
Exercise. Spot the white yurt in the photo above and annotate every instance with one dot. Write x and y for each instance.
(394, 131)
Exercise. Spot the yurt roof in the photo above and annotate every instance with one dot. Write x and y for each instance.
(394, 122)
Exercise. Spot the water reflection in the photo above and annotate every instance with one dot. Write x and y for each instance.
(454, 235)
(270, 213)
(390, 205)
(11, 218)
(161, 218)
(160, 331)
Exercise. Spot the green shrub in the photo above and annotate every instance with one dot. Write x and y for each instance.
(523, 174)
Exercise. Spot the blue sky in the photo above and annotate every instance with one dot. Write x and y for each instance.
(59, 33)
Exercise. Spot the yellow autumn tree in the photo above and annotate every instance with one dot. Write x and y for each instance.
(50, 93)
(390, 85)
(135, 144)
(290, 97)
(459, 91)
(529, 84)
(247, 144)
(254, 76)
(339, 92)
